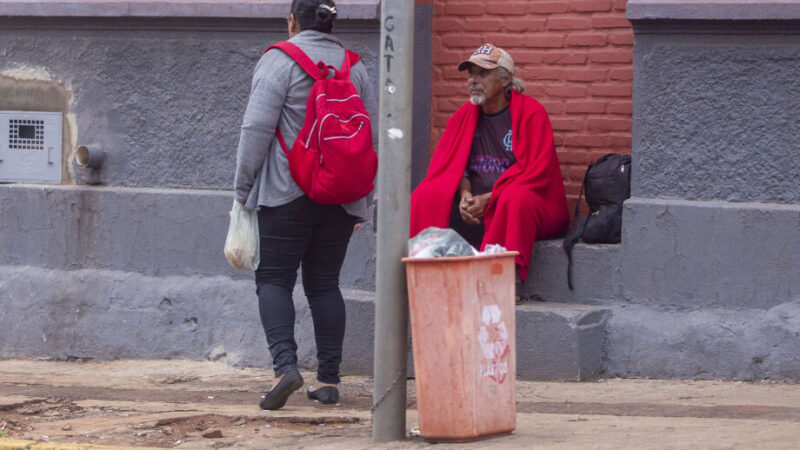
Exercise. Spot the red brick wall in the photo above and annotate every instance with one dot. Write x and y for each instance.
(575, 57)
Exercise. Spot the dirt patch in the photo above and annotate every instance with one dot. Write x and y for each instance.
(20, 418)
(169, 432)
(53, 408)
(12, 428)
(24, 419)
(151, 412)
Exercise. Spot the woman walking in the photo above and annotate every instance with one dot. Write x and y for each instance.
(294, 230)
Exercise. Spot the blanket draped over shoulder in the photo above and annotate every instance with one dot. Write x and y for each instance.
(528, 201)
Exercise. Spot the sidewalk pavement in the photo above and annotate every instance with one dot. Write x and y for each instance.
(184, 404)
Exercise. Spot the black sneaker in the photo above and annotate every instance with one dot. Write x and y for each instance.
(277, 396)
(327, 395)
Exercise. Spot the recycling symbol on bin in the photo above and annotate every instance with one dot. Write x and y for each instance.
(493, 338)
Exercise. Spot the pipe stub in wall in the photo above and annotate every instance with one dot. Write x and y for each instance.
(91, 156)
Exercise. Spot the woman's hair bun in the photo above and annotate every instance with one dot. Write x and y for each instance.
(323, 15)
(314, 14)
(325, 12)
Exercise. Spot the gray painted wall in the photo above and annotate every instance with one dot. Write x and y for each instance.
(717, 114)
(164, 98)
(712, 231)
(132, 267)
(713, 221)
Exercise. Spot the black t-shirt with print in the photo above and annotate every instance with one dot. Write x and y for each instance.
(491, 152)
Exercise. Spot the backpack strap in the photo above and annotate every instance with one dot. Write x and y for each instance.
(300, 57)
(316, 71)
(280, 139)
(353, 57)
(575, 231)
(350, 60)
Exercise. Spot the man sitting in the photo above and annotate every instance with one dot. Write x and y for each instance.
(494, 176)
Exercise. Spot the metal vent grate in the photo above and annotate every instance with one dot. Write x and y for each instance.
(30, 147)
(25, 134)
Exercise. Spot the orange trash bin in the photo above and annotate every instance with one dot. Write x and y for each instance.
(463, 332)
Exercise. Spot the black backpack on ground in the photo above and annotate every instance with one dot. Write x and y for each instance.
(607, 184)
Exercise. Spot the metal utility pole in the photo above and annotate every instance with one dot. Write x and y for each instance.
(394, 184)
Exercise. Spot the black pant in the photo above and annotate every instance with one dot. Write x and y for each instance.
(471, 233)
(316, 236)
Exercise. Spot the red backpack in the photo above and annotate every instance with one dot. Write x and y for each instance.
(332, 159)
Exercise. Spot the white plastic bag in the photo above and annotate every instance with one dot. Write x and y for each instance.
(435, 242)
(242, 244)
(493, 249)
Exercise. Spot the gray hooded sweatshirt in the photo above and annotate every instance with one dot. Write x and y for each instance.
(278, 97)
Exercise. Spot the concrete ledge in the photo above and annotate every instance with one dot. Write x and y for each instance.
(712, 10)
(693, 255)
(154, 232)
(180, 232)
(263, 9)
(557, 341)
(596, 273)
(711, 343)
(107, 315)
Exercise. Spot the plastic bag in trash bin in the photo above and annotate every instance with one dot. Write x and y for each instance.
(435, 242)
(493, 249)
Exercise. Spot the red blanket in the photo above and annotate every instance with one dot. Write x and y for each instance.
(528, 201)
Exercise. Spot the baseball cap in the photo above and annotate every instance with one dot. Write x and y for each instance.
(489, 57)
